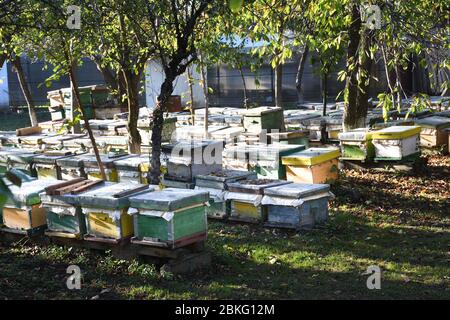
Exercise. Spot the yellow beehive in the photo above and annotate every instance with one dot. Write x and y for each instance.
(313, 165)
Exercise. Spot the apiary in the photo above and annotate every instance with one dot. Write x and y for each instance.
(357, 145)
(20, 159)
(107, 143)
(169, 127)
(23, 213)
(333, 127)
(396, 143)
(265, 160)
(290, 137)
(133, 169)
(106, 210)
(62, 207)
(245, 199)
(61, 141)
(263, 118)
(33, 141)
(92, 170)
(46, 164)
(195, 133)
(216, 184)
(187, 159)
(313, 165)
(169, 218)
(433, 132)
(296, 205)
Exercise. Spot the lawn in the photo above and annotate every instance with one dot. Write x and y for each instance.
(399, 222)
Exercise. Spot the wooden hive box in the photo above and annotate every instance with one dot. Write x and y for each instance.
(24, 211)
(263, 118)
(92, 170)
(71, 167)
(187, 159)
(433, 132)
(169, 127)
(106, 210)
(396, 143)
(169, 218)
(61, 141)
(133, 169)
(236, 157)
(107, 143)
(46, 164)
(228, 135)
(296, 205)
(265, 160)
(216, 184)
(196, 133)
(297, 137)
(21, 159)
(245, 199)
(63, 211)
(357, 145)
(313, 165)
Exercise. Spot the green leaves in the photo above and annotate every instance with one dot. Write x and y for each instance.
(235, 5)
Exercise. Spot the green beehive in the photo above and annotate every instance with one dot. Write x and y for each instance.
(216, 184)
(19, 159)
(265, 160)
(263, 118)
(299, 137)
(63, 211)
(357, 145)
(169, 218)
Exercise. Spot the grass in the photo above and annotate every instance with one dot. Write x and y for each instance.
(21, 119)
(398, 222)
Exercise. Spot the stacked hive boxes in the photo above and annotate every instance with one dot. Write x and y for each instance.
(216, 184)
(24, 212)
(19, 159)
(46, 164)
(187, 159)
(314, 165)
(263, 118)
(298, 137)
(296, 205)
(92, 170)
(357, 145)
(133, 169)
(106, 211)
(169, 218)
(245, 199)
(396, 143)
(63, 211)
(433, 132)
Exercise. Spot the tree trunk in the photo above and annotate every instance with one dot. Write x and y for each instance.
(351, 116)
(205, 92)
(2, 59)
(324, 93)
(245, 88)
(279, 85)
(191, 92)
(134, 138)
(76, 95)
(365, 66)
(25, 90)
(157, 126)
(299, 76)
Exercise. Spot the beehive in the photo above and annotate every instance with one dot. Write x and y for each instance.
(133, 169)
(298, 137)
(24, 211)
(63, 211)
(313, 165)
(265, 160)
(106, 210)
(357, 145)
(236, 157)
(171, 218)
(228, 135)
(263, 118)
(433, 132)
(169, 127)
(46, 164)
(187, 159)
(216, 184)
(245, 199)
(396, 143)
(296, 205)
(19, 159)
(92, 170)
(61, 141)
(71, 167)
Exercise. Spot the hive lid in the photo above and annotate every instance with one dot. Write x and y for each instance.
(134, 162)
(169, 199)
(225, 176)
(90, 161)
(71, 161)
(297, 190)
(68, 198)
(106, 196)
(255, 186)
(274, 151)
(187, 149)
(50, 158)
(257, 112)
(289, 134)
(434, 122)
(28, 192)
(361, 134)
(396, 132)
(311, 156)
(17, 155)
(62, 137)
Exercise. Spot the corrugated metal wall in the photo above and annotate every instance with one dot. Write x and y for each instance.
(228, 88)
